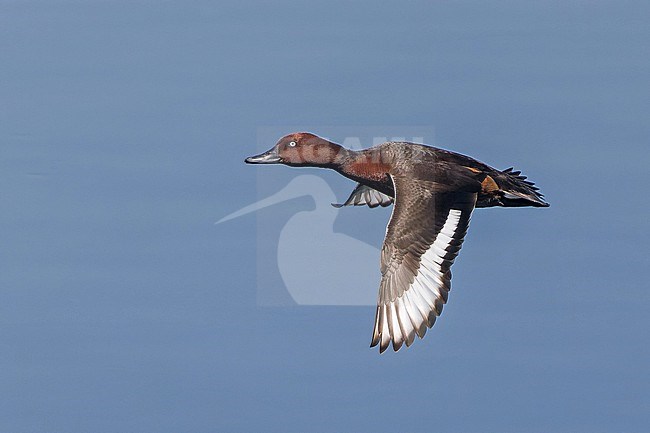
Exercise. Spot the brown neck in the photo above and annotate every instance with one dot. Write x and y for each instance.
(341, 156)
(364, 165)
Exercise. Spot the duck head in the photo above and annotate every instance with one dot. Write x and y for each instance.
(301, 149)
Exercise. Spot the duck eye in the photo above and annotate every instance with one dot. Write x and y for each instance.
(292, 144)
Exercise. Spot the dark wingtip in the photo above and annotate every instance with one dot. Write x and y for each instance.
(422, 330)
(431, 320)
(337, 205)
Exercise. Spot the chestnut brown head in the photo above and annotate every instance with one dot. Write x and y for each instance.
(300, 149)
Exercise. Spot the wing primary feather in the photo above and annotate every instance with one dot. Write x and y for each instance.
(376, 330)
(432, 318)
(405, 325)
(393, 325)
(413, 315)
(420, 304)
(385, 332)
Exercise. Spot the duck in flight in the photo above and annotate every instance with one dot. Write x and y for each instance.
(434, 192)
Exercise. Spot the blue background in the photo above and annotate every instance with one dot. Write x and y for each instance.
(123, 125)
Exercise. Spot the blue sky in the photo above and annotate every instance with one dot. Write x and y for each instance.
(123, 126)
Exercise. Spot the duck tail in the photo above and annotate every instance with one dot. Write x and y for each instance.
(517, 191)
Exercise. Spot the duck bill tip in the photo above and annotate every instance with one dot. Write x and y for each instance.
(269, 157)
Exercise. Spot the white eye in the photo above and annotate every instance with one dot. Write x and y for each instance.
(292, 144)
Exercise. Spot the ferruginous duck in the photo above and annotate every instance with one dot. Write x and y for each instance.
(434, 192)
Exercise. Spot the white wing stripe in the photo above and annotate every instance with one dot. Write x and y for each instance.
(418, 316)
(428, 281)
(448, 230)
(434, 276)
(424, 296)
(419, 309)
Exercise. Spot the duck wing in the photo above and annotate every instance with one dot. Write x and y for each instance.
(365, 195)
(423, 237)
